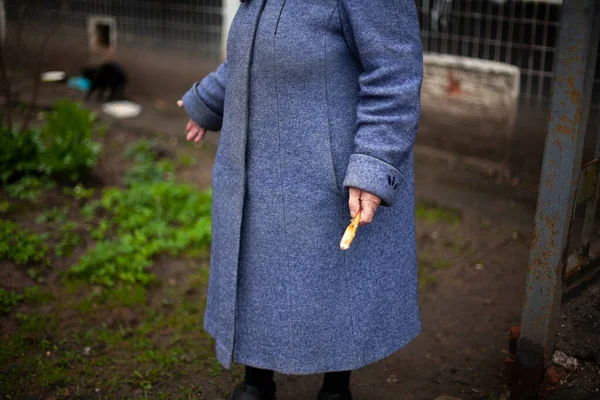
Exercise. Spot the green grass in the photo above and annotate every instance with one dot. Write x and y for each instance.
(432, 213)
(441, 264)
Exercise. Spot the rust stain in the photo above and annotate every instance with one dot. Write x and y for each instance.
(575, 93)
(453, 84)
(564, 129)
(558, 144)
(534, 240)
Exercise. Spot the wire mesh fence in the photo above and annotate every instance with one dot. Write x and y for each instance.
(520, 33)
(189, 27)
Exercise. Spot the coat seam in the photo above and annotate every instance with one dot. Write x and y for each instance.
(283, 205)
(333, 171)
(347, 279)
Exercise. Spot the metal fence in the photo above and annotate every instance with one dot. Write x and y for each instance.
(190, 27)
(521, 33)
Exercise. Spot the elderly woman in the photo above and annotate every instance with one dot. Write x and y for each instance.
(318, 107)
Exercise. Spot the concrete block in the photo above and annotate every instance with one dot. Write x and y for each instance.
(469, 106)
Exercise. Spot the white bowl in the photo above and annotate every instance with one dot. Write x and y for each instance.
(54, 76)
(122, 109)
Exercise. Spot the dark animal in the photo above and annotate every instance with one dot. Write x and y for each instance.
(106, 76)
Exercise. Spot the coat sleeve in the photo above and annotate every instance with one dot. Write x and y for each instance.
(205, 100)
(385, 39)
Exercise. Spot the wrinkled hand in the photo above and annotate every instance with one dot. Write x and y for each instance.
(194, 131)
(366, 202)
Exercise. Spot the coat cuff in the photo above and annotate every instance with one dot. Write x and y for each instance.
(199, 112)
(374, 176)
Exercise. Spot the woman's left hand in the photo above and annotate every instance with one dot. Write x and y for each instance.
(366, 202)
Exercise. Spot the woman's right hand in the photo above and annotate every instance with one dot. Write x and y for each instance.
(194, 131)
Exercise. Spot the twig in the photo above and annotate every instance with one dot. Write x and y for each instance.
(36, 86)
(7, 88)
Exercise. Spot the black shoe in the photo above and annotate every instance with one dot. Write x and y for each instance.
(247, 392)
(323, 395)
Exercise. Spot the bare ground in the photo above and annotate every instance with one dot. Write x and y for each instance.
(473, 239)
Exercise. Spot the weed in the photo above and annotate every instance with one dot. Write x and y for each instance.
(143, 380)
(69, 151)
(55, 214)
(79, 192)
(35, 296)
(68, 240)
(441, 264)
(62, 148)
(9, 299)
(168, 218)
(147, 168)
(20, 246)
(5, 207)
(34, 328)
(186, 160)
(215, 368)
(434, 214)
(141, 151)
(28, 188)
(20, 155)
(153, 171)
(425, 279)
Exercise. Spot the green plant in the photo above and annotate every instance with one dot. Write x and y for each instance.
(141, 151)
(20, 154)
(147, 167)
(441, 264)
(33, 295)
(8, 300)
(79, 192)
(68, 239)
(150, 171)
(20, 246)
(55, 214)
(5, 207)
(28, 188)
(62, 148)
(433, 214)
(69, 151)
(147, 219)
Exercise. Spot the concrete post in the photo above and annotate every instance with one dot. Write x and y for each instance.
(229, 9)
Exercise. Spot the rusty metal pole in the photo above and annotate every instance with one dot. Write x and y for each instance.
(572, 89)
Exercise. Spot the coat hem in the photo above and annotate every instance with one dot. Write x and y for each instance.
(224, 355)
(252, 362)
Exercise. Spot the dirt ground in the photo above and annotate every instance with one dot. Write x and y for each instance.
(474, 230)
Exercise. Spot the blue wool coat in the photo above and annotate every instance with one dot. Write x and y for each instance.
(315, 96)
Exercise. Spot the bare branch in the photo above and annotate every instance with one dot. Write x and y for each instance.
(6, 87)
(30, 110)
